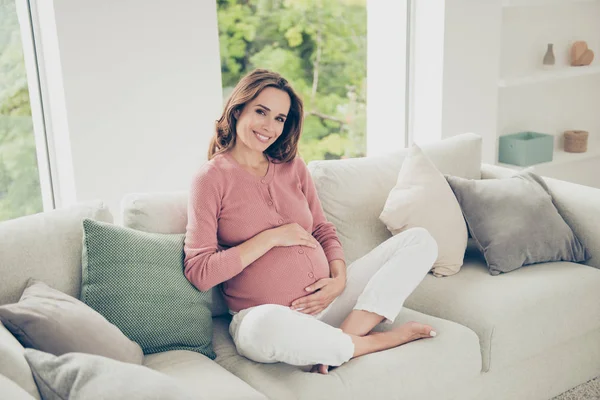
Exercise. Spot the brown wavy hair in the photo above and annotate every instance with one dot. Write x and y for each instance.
(285, 148)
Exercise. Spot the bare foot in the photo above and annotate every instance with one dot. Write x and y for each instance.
(320, 368)
(378, 341)
(411, 331)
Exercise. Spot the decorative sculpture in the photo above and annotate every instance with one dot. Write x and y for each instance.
(580, 54)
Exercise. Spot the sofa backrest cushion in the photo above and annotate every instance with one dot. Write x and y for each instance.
(353, 191)
(46, 246)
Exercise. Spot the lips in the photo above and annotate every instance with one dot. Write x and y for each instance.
(261, 138)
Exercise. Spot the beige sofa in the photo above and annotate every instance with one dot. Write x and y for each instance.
(529, 334)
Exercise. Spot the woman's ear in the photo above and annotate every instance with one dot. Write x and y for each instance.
(236, 113)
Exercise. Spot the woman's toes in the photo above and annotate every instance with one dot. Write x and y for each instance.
(413, 331)
(320, 368)
(428, 331)
(422, 330)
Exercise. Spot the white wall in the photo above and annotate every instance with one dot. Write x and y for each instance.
(386, 75)
(141, 89)
(427, 71)
(456, 70)
(471, 71)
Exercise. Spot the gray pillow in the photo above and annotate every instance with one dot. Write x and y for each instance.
(515, 223)
(49, 320)
(77, 376)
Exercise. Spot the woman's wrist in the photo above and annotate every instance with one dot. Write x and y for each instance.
(269, 238)
(338, 270)
(341, 280)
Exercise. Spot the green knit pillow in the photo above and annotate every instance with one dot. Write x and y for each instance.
(135, 280)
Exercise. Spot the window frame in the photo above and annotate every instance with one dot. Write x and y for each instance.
(31, 54)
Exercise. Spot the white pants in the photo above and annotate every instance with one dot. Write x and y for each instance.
(378, 282)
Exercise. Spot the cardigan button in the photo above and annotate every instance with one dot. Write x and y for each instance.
(301, 251)
(270, 203)
(263, 181)
(280, 221)
(311, 275)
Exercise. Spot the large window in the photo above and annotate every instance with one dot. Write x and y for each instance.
(20, 192)
(320, 46)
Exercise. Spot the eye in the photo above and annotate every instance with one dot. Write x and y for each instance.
(260, 111)
(281, 119)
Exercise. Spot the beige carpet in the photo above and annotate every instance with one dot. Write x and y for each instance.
(587, 391)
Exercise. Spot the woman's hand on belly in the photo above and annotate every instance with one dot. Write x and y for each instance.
(323, 292)
(292, 235)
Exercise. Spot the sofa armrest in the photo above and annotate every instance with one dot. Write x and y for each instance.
(579, 205)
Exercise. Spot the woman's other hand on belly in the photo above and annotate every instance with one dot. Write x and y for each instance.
(322, 293)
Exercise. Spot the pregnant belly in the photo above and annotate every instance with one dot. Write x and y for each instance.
(278, 277)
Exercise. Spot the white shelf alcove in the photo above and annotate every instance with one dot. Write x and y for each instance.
(550, 75)
(553, 100)
(537, 3)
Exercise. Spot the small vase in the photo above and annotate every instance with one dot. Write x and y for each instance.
(549, 58)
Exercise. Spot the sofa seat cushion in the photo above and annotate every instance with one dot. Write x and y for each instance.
(518, 314)
(201, 374)
(10, 390)
(439, 364)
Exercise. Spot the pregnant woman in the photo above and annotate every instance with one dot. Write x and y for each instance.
(257, 229)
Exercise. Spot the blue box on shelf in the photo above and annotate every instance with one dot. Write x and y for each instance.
(526, 148)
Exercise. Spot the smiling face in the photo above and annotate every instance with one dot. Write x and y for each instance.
(261, 121)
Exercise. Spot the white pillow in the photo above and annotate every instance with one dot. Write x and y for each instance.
(423, 198)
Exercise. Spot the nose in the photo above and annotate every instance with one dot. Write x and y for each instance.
(269, 126)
